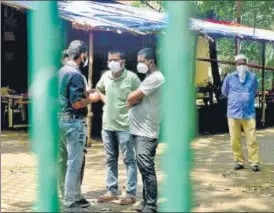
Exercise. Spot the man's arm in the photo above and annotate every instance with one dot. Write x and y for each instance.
(135, 97)
(77, 90)
(100, 88)
(94, 97)
(225, 87)
(147, 87)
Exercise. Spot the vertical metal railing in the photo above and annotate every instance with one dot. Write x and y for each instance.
(44, 61)
(178, 63)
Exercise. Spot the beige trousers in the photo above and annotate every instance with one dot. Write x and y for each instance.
(249, 126)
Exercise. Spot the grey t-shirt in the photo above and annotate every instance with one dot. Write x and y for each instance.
(145, 117)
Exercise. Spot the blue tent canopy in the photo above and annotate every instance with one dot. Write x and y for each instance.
(215, 29)
(106, 16)
(112, 16)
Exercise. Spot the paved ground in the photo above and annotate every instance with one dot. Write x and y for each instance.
(216, 187)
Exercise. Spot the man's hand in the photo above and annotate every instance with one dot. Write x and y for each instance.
(128, 105)
(102, 96)
(88, 92)
(135, 97)
(94, 97)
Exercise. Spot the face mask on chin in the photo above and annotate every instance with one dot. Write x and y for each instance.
(114, 67)
(241, 70)
(142, 68)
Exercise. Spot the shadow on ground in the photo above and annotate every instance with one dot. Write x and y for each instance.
(216, 187)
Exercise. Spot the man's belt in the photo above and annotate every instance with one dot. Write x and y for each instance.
(68, 116)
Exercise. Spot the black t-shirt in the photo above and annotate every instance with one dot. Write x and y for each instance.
(71, 89)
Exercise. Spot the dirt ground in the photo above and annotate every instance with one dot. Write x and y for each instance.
(216, 187)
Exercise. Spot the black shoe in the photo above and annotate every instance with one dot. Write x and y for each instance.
(83, 201)
(79, 204)
(140, 207)
(255, 168)
(147, 209)
(238, 167)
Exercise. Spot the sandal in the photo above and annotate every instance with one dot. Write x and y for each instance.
(106, 198)
(127, 201)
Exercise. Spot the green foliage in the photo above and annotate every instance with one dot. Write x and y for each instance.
(256, 14)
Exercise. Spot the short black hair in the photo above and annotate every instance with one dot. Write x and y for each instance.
(65, 54)
(115, 51)
(148, 53)
(76, 48)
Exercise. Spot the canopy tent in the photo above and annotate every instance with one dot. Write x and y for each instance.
(108, 15)
(103, 15)
(113, 16)
(230, 29)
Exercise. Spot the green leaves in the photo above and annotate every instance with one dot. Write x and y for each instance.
(258, 14)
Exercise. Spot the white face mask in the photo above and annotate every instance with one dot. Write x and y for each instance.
(114, 66)
(242, 69)
(86, 63)
(142, 68)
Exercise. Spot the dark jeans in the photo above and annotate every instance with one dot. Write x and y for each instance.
(145, 149)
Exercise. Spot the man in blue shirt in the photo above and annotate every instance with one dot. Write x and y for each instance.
(240, 87)
(73, 100)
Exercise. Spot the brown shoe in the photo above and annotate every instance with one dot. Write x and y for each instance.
(127, 201)
(107, 198)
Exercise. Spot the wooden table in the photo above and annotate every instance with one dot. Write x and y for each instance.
(10, 101)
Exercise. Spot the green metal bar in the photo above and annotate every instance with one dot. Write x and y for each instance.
(178, 63)
(44, 60)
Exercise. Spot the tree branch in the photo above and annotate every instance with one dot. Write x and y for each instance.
(147, 4)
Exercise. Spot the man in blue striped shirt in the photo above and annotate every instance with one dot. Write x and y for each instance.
(240, 88)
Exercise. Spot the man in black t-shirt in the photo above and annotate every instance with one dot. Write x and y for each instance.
(62, 154)
(73, 101)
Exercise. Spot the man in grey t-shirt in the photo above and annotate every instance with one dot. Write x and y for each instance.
(144, 117)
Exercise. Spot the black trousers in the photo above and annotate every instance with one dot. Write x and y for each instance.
(145, 149)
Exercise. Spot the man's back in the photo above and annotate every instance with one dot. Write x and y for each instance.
(71, 89)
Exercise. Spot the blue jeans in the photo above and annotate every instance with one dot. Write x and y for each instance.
(73, 139)
(113, 140)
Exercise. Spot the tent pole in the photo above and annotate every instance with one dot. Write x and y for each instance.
(90, 74)
(237, 40)
(263, 102)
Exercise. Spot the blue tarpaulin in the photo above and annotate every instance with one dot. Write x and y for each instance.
(113, 16)
(106, 16)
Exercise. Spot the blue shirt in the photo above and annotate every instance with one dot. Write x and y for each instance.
(241, 96)
(72, 89)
